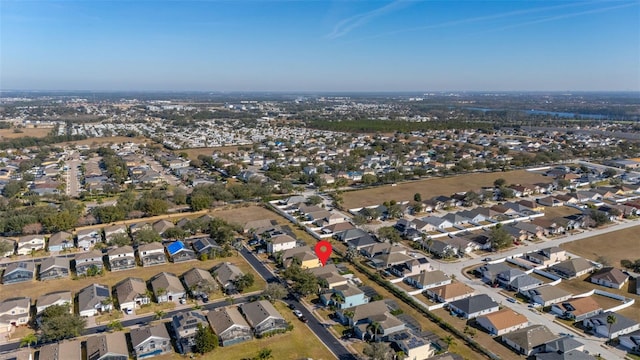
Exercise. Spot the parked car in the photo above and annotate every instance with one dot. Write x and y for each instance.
(292, 306)
(297, 313)
(511, 300)
(303, 319)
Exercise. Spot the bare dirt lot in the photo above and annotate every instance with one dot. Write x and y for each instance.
(242, 215)
(552, 212)
(110, 140)
(614, 246)
(32, 132)
(194, 153)
(429, 188)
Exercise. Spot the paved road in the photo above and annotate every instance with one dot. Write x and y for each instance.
(318, 328)
(73, 178)
(592, 344)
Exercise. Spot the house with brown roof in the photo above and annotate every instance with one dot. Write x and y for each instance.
(428, 279)
(572, 268)
(55, 298)
(502, 322)
(67, 349)
(450, 292)
(546, 295)
(161, 226)
(577, 309)
(610, 277)
(199, 283)
(263, 317)
(167, 287)
(131, 294)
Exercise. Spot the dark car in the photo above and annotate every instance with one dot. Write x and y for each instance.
(292, 306)
(303, 319)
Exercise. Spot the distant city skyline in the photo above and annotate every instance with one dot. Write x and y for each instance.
(320, 46)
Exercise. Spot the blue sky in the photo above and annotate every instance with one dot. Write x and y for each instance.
(302, 45)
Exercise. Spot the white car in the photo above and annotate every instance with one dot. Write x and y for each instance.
(297, 313)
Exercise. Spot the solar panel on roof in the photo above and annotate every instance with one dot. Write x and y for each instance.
(100, 291)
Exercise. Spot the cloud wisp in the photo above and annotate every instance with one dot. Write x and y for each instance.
(345, 26)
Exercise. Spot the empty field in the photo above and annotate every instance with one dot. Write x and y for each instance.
(32, 132)
(429, 188)
(552, 212)
(614, 246)
(110, 140)
(195, 152)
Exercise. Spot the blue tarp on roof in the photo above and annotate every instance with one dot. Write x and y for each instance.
(175, 247)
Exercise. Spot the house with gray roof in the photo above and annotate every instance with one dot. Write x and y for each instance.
(53, 268)
(230, 326)
(530, 340)
(572, 268)
(121, 258)
(88, 238)
(109, 346)
(55, 298)
(167, 287)
(547, 295)
(599, 325)
(524, 283)
(206, 245)
(131, 294)
(150, 341)
(60, 241)
(185, 326)
(151, 254)
(428, 279)
(67, 349)
(199, 283)
(19, 271)
(360, 317)
(490, 272)
(111, 231)
(14, 312)
(89, 263)
(263, 317)
(630, 341)
(93, 299)
(474, 306)
(569, 355)
(226, 274)
(29, 243)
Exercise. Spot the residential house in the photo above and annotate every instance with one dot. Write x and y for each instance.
(503, 321)
(547, 256)
(121, 258)
(30, 243)
(167, 287)
(161, 226)
(412, 344)
(564, 345)
(134, 228)
(550, 227)
(280, 243)
(523, 283)
(68, 349)
(610, 277)
(185, 326)
(230, 326)
(441, 249)
(179, 252)
(11, 248)
(199, 283)
(93, 299)
(19, 271)
(630, 341)
(361, 242)
(53, 268)
(530, 230)
(88, 238)
(506, 277)
(474, 306)
(350, 234)
(450, 292)
(263, 317)
(456, 219)
(599, 325)
(361, 317)
(55, 298)
(18, 354)
(150, 341)
(547, 295)
(226, 274)
(131, 294)
(60, 241)
(151, 254)
(344, 296)
(489, 272)
(336, 228)
(551, 201)
(206, 245)
(572, 268)
(306, 257)
(402, 267)
(110, 346)
(437, 222)
(14, 312)
(428, 279)
(89, 263)
(577, 309)
(531, 205)
(111, 231)
(530, 340)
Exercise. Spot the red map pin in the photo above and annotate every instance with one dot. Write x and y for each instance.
(323, 250)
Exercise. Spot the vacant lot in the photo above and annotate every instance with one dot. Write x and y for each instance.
(614, 246)
(34, 289)
(33, 132)
(110, 140)
(552, 212)
(429, 188)
(194, 153)
(242, 215)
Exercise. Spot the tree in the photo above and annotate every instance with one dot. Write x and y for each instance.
(115, 325)
(417, 197)
(389, 233)
(378, 351)
(264, 354)
(28, 340)
(5, 247)
(146, 236)
(374, 327)
(500, 238)
(120, 240)
(244, 282)
(500, 182)
(611, 319)
(369, 179)
(159, 314)
(57, 323)
(275, 291)
(599, 217)
(205, 340)
(314, 200)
